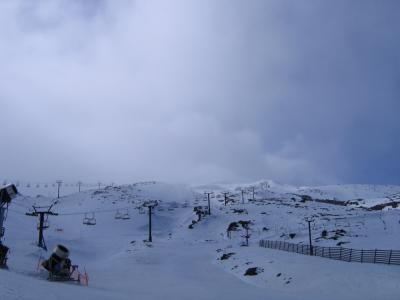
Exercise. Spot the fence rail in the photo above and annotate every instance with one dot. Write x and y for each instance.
(390, 257)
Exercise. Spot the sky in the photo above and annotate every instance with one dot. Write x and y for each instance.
(300, 92)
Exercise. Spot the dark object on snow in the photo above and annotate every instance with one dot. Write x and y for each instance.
(239, 211)
(324, 234)
(191, 225)
(393, 204)
(200, 211)
(227, 255)
(292, 235)
(340, 232)
(232, 227)
(341, 243)
(245, 224)
(305, 198)
(59, 266)
(253, 271)
(3, 256)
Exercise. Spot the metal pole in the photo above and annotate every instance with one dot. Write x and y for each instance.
(79, 186)
(309, 235)
(209, 206)
(41, 221)
(242, 197)
(58, 187)
(225, 198)
(1, 223)
(150, 237)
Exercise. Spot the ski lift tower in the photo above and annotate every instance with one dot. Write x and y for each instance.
(7, 193)
(150, 205)
(208, 199)
(41, 212)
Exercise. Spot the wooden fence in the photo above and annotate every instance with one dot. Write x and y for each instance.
(390, 257)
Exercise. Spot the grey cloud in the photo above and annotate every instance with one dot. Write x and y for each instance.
(200, 91)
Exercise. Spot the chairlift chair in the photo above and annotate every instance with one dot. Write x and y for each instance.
(89, 219)
(125, 216)
(118, 215)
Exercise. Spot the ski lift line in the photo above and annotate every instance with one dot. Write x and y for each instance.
(95, 211)
(21, 205)
(17, 212)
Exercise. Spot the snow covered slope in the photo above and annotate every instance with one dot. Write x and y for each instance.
(203, 262)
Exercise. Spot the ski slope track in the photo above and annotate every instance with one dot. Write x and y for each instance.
(206, 261)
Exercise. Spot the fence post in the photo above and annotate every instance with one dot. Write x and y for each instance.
(362, 255)
(375, 256)
(329, 252)
(340, 255)
(351, 252)
(390, 257)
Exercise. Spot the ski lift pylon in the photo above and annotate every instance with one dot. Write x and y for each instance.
(45, 223)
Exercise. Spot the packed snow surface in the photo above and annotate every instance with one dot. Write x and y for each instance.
(191, 259)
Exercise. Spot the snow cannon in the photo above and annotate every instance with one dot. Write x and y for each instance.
(58, 264)
(7, 193)
(60, 268)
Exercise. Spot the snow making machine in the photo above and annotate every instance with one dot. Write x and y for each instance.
(60, 268)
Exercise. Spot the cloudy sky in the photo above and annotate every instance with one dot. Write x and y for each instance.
(302, 92)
